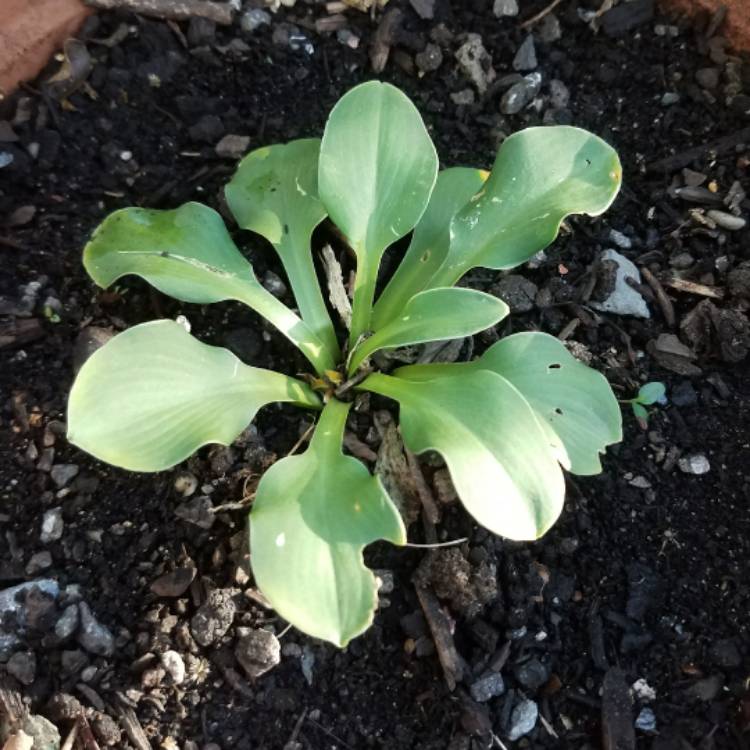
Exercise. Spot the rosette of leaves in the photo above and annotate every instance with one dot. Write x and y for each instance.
(506, 424)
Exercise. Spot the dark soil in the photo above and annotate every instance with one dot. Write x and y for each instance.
(647, 569)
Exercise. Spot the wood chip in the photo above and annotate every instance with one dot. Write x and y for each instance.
(394, 470)
(11, 702)
(21, 331)
(450, 659)
(617, 714)
(670, 353)
(328, 24)
(692, 287)
(384, 38)
(667, 309)
(336, 289)
(132, 727)
(175, 10)
(86, 736)
(429, 506)
(365, 5)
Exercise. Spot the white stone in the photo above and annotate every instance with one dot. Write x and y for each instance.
(643, 691)
(174, 664)
(505, 8)
(52, 526)
(523, 719)
(624, 300)
(696, 464)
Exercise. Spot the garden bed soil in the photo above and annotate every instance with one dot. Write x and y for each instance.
(644, 580)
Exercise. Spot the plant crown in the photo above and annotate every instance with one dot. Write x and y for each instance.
(505, 424)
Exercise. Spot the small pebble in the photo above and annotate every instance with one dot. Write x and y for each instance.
(661, 29)
(273, 283)
(38, 562)
(559, 94)
(520, 94)
(549, 29)
(175, 666)
(669, 98)
(348, 38)
(384, 581)
(52, 526)
(525, 58)
(621, 240)
(22, 665)
(696, 464)
(425, 9)
(214, 617)
(708, 78)
(523, 719)
(646, 720)
(643, 691)
(464, 97)
(532, 674)
(306, 663)
(185, 483)
(198, 511)
(254, 18)
(175, 583)
(258, 651)
(505, 8)
(93, 636)
(487, 687)
(68, 622)
(63, 473)
(430, 59)
(640, 482)
(727, 221)
(232, 146)
(475, 62)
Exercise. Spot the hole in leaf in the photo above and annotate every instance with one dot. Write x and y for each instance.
(588, 162)
(558, 410)
(554, 366)
(425, 256)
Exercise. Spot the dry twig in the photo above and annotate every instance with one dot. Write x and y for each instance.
(693, 287)
(665, 303)
(175, 10)
(539, 16)
(450, 660)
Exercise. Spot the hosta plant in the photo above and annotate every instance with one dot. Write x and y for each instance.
(506, 424)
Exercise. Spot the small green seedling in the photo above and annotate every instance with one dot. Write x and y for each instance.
(505, 424)
(648, 395)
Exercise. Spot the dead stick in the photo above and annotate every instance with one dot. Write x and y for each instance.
(175, 10)
(678, 161)
(542, 13)
(450, 660)
(70, 739)
(667, 308)
(87, 739)
(429, 506)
